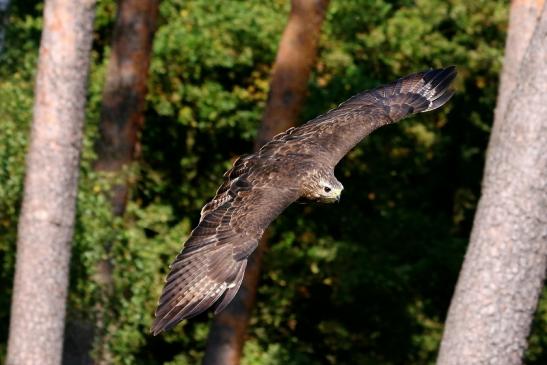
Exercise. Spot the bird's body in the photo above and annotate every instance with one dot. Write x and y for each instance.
(296, 164)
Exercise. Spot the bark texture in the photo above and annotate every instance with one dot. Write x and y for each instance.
(505, 265)
(523, 19)
(288, 87)
(46, 223)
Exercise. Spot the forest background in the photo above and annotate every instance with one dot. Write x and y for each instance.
(366, 281)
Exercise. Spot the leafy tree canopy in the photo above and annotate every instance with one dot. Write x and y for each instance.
(367, 281)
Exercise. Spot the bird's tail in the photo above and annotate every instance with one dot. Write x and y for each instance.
(416, 93)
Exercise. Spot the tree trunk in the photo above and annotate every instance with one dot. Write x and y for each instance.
(46, 223)
(291, 71)
(505, 265)
(125, 91)
(295, 58)
(121, 123)
(523, 19)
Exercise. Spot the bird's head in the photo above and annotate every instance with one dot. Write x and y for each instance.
(330, 190)
(324, 188)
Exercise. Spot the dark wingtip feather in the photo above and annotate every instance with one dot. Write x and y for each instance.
(436, 87)
(435, 76)
(441, 100)
(416, 93)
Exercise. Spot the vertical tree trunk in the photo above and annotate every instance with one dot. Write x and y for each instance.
(125, 91)
(295, 58)
(46, 223)
(505, 265)
(121, 123)
(291, 71)
(523, 19)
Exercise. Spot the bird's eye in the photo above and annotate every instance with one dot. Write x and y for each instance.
(327, 189)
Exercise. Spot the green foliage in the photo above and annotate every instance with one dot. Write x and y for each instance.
(16, 109)
(367, 281)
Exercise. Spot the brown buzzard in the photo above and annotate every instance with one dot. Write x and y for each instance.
(296, 164)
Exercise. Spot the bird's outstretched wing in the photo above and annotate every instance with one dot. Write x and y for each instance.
(209, 269)
(340, 129)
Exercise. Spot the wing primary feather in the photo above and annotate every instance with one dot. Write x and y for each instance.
(231, 292)
(427, 91)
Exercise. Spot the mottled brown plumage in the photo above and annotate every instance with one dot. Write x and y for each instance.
(296, 164)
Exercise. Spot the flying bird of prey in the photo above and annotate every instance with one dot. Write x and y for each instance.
(296, 164)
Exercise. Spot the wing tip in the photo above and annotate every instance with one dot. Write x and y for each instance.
(438, 74)
(155, 331)
(437, 89)
(419, 92)
(166, 322)
(195, 299)
(157, 327)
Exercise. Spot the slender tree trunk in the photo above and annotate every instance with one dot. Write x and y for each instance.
(295, 58)
(125, 91)
(121, 123)
(46, 223)
(291, 71)
(505, 265)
